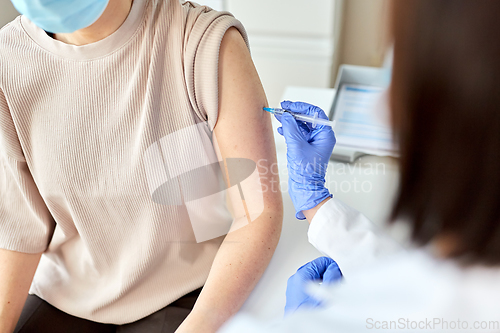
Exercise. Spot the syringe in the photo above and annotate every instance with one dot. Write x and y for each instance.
(314, 120)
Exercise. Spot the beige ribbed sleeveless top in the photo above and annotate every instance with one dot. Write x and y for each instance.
(89, 136)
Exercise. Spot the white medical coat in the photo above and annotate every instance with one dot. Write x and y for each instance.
(387, 287)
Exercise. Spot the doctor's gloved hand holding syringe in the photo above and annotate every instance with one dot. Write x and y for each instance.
(308, 153)
(309, 148)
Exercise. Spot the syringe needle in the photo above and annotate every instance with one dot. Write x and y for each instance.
(303, 117)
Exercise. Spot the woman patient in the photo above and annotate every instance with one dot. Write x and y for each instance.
(112, 114)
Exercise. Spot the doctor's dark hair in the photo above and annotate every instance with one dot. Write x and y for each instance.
(445, 100)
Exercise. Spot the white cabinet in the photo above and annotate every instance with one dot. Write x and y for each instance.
(293, 18)
(292, 41)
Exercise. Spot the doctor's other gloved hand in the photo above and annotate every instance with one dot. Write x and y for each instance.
(322, 269)
(308, 153)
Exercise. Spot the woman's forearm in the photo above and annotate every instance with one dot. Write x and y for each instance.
(16, 273)
(238, 266)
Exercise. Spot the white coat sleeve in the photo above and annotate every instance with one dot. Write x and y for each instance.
(348, 237)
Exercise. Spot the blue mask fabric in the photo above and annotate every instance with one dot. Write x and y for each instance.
(61, 16)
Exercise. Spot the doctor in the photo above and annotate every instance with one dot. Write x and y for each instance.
(445, 113)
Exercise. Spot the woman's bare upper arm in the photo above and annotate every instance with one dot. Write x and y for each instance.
(243, 130)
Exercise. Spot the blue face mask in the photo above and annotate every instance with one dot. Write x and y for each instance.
(61, 16)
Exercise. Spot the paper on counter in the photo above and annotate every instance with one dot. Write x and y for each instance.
(362, 120)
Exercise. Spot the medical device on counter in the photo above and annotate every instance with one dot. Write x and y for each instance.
(314, 120)
(361, 110)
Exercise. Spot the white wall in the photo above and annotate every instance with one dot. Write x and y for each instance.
(292, 41)
(365, 35)
(7, 12)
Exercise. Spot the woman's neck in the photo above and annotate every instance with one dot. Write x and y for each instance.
(113, 17)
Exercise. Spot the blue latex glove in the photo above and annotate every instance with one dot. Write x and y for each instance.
(322, 269)
(308, 153)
